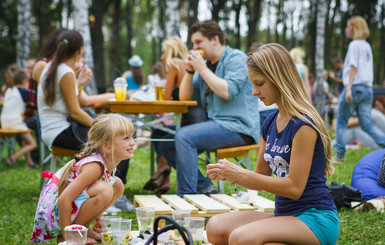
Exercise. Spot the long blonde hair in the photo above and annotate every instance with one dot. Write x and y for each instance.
(274, 62)
(360, 28)
(174, 48)
(105, 128)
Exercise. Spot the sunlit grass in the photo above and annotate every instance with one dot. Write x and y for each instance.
(19, 192)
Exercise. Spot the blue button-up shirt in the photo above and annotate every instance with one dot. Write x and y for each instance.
(239, 113)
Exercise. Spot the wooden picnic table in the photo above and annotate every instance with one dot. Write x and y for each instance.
(167, 109)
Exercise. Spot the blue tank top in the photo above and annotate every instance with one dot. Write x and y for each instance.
(277, 155)
(131, 84)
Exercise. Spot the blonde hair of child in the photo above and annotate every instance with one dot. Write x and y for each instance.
(274, 62)
(360, 28)
(174, 48)
(105, 128)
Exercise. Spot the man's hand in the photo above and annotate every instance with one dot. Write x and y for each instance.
(195, 61)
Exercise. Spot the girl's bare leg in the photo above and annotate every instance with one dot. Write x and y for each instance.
(101, 196)
(221, 226)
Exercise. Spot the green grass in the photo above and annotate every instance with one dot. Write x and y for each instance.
(19, 192)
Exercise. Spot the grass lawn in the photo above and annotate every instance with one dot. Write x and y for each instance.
(19, 193)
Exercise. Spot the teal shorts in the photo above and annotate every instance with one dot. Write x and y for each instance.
(324, 224)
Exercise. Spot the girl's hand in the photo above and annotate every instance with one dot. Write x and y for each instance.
(85, 76)
(348, 96)
(224, 170)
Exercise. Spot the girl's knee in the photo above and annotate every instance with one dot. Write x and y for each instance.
(118, 187)
(215, 230)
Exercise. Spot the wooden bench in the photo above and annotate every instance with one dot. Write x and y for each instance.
(201, 205)
(240, 153)
(7, 138)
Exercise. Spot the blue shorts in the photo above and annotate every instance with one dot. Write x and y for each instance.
(324, 224)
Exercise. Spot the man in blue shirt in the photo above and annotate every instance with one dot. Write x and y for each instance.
(225, 93)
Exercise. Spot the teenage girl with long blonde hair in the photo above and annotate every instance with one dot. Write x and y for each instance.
(174, 56)
(85, 187)
(295, 148)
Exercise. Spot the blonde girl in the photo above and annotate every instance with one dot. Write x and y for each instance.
(357, 77)
(174, 54)
(296, 149)
(85, 187)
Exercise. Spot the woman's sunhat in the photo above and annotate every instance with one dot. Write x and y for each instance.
(135, 61)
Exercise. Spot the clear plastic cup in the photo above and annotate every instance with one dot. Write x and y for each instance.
(179, 216)
(120, 88)
(75, 234)
(145, 216)
(196, 226)
(110, 223)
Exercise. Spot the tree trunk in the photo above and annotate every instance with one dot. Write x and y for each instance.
(98, 8)
(328, 32)
(254, 13)
(192, 18)
(114, 58)
(237, 7)
(173, 18)
(80, 16)
(24, 26)
(217, 5)
(129, 5)
(319, 55)
(382, 48)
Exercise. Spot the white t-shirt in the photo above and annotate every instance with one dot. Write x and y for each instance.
(53, 120)
(360, 56)
(13, 110)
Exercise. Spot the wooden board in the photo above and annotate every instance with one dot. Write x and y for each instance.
(152, 201)
(206, 204)
(232, 203)
(264, 205)
(177, 203)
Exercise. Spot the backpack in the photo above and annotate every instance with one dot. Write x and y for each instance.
(343, 194)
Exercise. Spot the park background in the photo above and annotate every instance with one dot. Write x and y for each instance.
(115, 30)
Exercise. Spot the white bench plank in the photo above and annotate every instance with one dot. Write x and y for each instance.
(264, 205)
(152, 201)
(178, 203)
(231, 202)
(207, 204)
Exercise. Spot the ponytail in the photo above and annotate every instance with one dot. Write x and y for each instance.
(68, 43)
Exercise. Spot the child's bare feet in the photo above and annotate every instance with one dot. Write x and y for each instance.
(94, 235)
(90, 241)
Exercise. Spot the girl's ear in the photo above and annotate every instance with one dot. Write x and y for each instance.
(106, 147)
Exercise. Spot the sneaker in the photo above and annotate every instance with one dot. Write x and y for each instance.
(210, 190)
(124, 203)
(112, 210)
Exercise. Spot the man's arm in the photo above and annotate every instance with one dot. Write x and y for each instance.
(218, 85)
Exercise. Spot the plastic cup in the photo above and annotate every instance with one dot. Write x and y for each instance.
(75, 234)
(145, 216)
(159, 92)
(110, 223)
(179, 216)
(120, 88)
(253, 195)
(196, 227)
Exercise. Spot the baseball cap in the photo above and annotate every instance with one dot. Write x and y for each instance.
(135, 61)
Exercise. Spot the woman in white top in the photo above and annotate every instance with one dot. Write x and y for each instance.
(57, 95)
(358, 92)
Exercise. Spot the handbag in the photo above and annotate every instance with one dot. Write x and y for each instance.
(80, 131)
(188, 240)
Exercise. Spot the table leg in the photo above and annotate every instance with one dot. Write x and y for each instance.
(152, 158)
